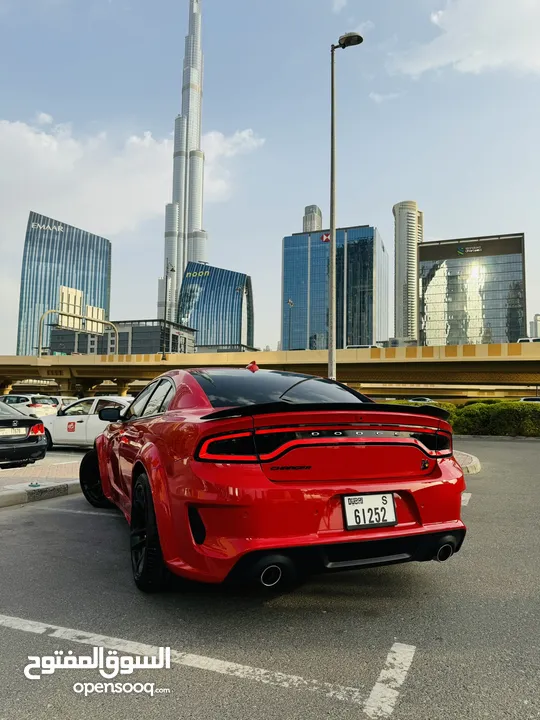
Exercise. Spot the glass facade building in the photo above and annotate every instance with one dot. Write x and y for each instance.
(218, 304)
(58, 255)
(472, 291)
(362, 289)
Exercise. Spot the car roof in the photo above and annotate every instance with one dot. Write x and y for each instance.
(243, 370)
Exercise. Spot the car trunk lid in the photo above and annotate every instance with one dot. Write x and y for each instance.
(367, 443)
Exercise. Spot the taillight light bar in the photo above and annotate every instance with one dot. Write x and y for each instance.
(268, 445)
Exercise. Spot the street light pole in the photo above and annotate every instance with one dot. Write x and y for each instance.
(332, 370)
(345, 41)
(168, 270)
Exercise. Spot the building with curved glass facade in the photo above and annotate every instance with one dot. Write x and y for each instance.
(472, 291)
(55, 255)
(362, 266)
(218, 304)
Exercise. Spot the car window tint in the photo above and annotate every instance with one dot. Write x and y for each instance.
(235, 387)
(104, 404)
(81, 408)
(136, 409)
(167, 400)
(155, 402)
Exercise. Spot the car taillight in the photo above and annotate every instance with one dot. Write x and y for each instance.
(439, 443)
(38, 429)
(235, 447)
(34, 405)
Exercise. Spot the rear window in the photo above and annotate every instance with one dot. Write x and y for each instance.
(44, 401)
(233, 388)
(7, 411)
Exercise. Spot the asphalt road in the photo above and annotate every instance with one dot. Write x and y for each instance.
(411, 642)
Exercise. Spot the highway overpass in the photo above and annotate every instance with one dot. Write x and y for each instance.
(472, 365)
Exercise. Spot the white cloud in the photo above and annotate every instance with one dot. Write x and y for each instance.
(91, 182)
(380, 98)
(217, 146)
(479, 35)
(44, 119)
(338, 5)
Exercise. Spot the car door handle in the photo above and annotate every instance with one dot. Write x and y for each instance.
(80, 421)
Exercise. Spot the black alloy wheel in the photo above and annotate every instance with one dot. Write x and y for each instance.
(90, 479)
(149, 570)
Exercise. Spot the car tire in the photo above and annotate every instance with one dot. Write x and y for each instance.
(49, 440)
(149, 570)
(90, 480)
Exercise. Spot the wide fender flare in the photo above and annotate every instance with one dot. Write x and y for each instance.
(157, 477)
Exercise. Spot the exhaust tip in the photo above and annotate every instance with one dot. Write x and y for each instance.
(444, 553)
(271, 576)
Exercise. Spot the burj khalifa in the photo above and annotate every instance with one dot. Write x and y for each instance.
(185, 240)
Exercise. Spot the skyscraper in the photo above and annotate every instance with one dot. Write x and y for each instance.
(218, 303)
(534, 327)
(57, 254)
(362, 289)
(185, 239)
(472, 291)
(409, 233)
(312, 219)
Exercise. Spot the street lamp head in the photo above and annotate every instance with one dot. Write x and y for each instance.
(350, 39)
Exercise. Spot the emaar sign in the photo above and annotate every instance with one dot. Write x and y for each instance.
(54, 228)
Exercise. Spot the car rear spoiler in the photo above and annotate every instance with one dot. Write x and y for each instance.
(281, 407)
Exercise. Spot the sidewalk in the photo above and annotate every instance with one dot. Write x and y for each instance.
(46, 479)
(470, 464)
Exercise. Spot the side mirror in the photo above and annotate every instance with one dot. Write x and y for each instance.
(110, 414)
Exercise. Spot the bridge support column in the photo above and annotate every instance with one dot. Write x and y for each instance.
(6, 386)
(86, 388)
(122, 387)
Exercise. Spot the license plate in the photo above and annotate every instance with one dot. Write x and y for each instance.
(363, 511)
(12, 431)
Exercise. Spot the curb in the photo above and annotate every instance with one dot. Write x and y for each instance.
(22, 493)
(471, 464)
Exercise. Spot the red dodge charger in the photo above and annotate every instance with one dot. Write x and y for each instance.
(264, 475)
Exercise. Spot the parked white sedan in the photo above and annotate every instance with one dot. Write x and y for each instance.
(79, 424)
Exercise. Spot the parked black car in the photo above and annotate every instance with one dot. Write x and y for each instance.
(22, 438)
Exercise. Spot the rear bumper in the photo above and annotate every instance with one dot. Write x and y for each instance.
(216, 528)
(339, 557)
(17, 454)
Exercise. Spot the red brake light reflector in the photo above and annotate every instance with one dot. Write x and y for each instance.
(38, 429)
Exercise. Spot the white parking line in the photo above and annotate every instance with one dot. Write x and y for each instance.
(380, 703)
(78, 512)
(384, 696)
(465, 499)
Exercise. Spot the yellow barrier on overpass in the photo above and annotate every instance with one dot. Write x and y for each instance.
(508, 364)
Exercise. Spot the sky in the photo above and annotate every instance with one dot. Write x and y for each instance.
(440, 105)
